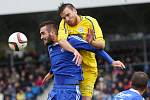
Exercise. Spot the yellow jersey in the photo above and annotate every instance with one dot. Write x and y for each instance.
(82, 29)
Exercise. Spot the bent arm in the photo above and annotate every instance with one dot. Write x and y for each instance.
(95, 35)
(62, 38)
(66, 45)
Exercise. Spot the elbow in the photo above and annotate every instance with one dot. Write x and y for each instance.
(62, 41)
(100, 45)
(103, 45)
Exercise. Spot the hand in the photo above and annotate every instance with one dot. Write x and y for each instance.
(118, 64)
(90, 35)
(77, 58)
(46, 78)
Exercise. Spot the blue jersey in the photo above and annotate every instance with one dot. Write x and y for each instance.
(64, 69)
(65, 92)
(130, 94)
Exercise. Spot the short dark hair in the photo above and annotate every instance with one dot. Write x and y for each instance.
(63, 6)
(51, 24)
(139, 80)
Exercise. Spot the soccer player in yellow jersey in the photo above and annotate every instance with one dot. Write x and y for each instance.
(74, 24)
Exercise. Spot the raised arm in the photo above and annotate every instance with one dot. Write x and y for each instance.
(95, 35)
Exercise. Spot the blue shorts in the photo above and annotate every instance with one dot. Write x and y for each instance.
(65, 92)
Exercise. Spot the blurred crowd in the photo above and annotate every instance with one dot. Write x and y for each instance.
(113, 80)
(23, 79)
(21, 74)
(111, 83)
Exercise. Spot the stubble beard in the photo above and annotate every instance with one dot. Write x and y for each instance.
(49, 42)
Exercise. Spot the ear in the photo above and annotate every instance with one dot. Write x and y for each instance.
(75, 11)
(48, 29)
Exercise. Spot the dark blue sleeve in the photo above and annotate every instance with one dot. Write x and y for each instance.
(49, 46)
(50, 71)
(104, 55)
(81, 44)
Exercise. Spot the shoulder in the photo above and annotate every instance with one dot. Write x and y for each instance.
(62, 22)
(138, 98)
(124, 94)
(89, 18)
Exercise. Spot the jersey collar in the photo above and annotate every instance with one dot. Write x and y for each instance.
(53, 45)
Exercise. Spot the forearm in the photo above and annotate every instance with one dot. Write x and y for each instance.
(66, 45)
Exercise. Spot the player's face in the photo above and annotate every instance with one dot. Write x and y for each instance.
(46, 36)
(70, 16)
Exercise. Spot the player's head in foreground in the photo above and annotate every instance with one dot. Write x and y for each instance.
(69, 13)
(139, 81)
(48, 32)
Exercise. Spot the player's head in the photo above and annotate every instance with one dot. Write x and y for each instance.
(139, 81)
(48, 32)
(69, 13)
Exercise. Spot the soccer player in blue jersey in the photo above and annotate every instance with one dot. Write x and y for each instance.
(67, 74)
(138, 86)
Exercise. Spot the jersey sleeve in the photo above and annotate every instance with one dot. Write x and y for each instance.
(97, 29)
(81, 44)
(62, 32)
(103, 54)
(50, 71)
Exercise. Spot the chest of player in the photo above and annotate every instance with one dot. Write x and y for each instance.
(58, 55)
(81, 28)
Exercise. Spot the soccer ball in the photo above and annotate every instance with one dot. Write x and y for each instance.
(17, 41)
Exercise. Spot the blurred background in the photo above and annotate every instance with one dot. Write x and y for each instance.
(126, 29)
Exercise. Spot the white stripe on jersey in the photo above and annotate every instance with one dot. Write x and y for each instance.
(78, 96)
(77, 37)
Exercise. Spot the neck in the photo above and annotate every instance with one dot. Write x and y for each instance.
(55, 40)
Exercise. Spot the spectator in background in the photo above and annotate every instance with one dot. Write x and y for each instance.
(38, 81)
(20, 76)
(36, 90)
(29, 94)
(20, 95)
(138, 86)
(1, 96)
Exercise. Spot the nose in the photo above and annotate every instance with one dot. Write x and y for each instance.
(67, 19)
(41, 37)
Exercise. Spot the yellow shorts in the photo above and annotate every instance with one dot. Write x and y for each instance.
(87, 85)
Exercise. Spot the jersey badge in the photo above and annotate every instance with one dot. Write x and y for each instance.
(81, 30)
